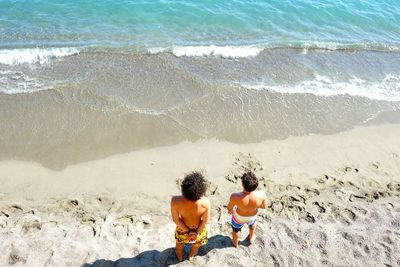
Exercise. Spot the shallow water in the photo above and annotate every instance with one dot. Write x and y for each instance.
(96, 104)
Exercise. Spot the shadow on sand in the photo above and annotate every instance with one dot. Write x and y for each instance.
(162, 258)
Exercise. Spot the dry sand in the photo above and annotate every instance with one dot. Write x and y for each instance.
(333, 200)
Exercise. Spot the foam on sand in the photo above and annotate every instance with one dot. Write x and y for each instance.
(213, 50)
(387, 89)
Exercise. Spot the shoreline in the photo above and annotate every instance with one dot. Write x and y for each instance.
(295, 159)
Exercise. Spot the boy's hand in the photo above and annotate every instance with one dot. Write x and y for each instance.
(192, 236)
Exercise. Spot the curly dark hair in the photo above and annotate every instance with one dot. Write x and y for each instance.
(249, 181)
(194, 186)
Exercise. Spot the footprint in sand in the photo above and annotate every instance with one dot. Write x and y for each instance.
(293, 187)
(348, 214)
(311, 192)
(348, 169)
(375, 164)
(276, 206)
(360, 210)
(392, 186)
(16, 258)
(387, 250)
(297, 239)
(320, 206)
(212, 188)
(3, 221)
(326, 179)
(276, 260)
(354, 197)
(31, 225)
(354, 239)
(340, 193)
(69, 204)
(345, 216)
(12, 211)
(348, 237)
(308, 217)
(105, 200)
(243, 163)
(321, 245)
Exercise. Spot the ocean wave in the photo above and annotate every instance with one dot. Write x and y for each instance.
(387, 89)
(43, 55)
(253, 50)
(34, 55)
(320, 45)
(211, 50)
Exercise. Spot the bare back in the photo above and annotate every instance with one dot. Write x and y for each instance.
(247, 203)
(192, 213)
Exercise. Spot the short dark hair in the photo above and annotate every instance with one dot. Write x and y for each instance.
(193, 186)
(249, 181)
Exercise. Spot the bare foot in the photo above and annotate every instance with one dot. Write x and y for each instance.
(252, 239)
(193, 251)
(252, 236)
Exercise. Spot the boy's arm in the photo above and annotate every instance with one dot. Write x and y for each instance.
(231, 203)
(175, 217)
(264, 201)
(205, 218)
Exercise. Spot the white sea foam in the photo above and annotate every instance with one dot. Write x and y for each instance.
(15, 82)
(156, 50)
(388, 89)
(34, 55)
(24, 87)
(212, 50)
(305, 45)
(254, 50)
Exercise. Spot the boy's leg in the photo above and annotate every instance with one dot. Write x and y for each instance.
(236, 227)
(193, 250)
(235, 237)
(179, 251)
(252, 230)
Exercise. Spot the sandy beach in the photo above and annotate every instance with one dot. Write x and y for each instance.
(333, 200)
(106, 106)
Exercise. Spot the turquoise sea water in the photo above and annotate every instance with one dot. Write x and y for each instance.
(147, 24)
(288, 46)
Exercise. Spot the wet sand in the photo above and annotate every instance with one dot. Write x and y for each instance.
(96, 104)
(333, 200)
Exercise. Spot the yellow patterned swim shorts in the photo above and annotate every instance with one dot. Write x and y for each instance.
(182, 237)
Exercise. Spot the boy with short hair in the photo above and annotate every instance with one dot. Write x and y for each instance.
(244, 207)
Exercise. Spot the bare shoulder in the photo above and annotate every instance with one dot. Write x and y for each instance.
(236, 196)
(175, 200)
(261, 194)
(205, 201)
